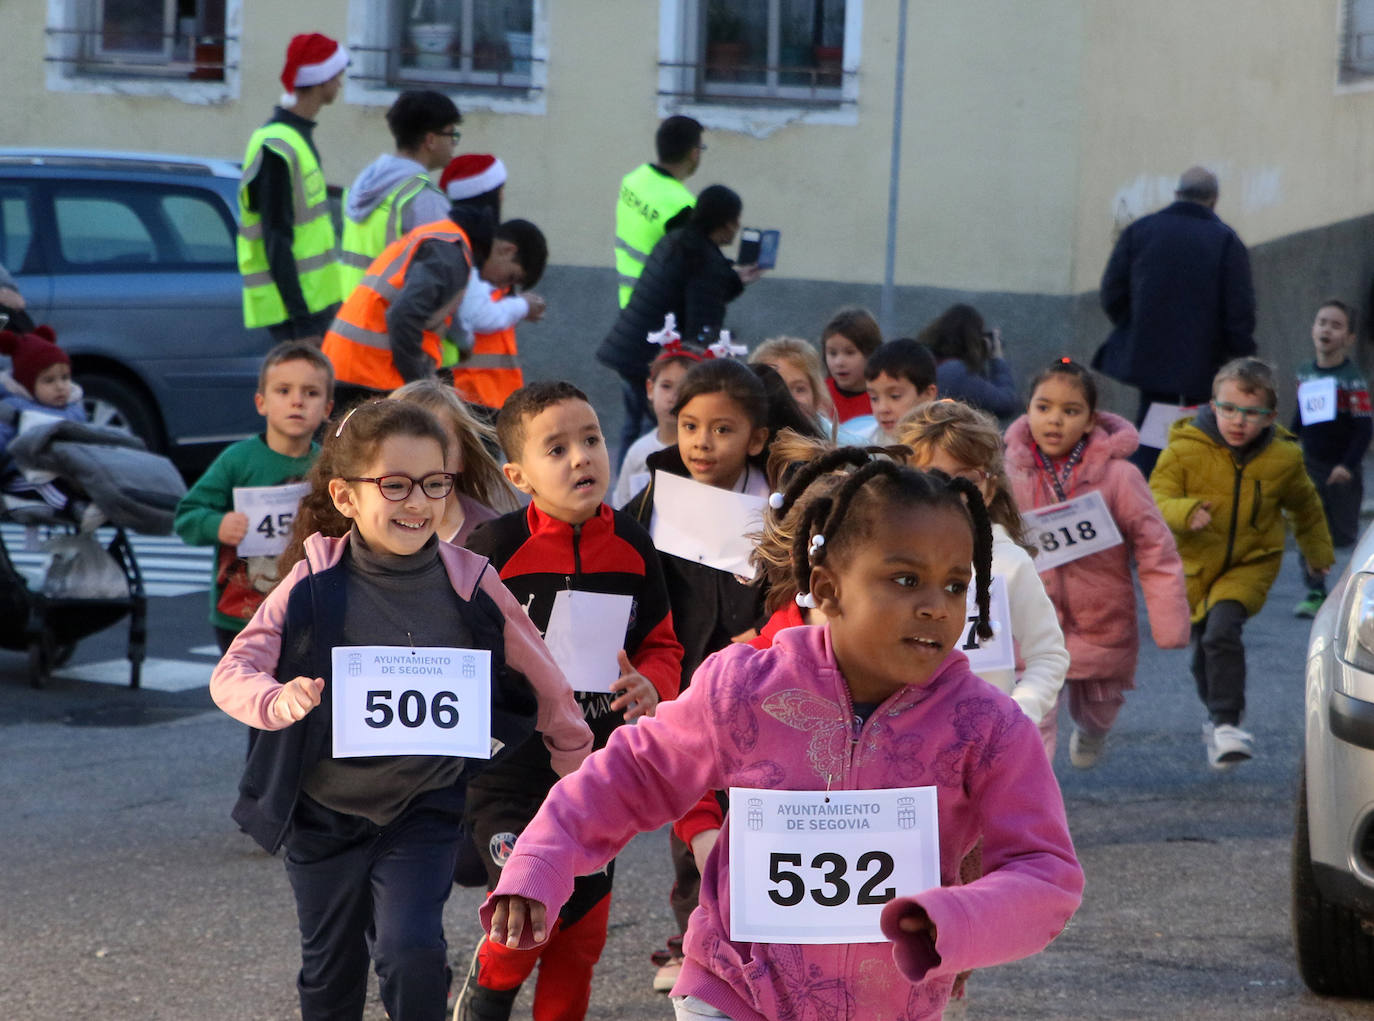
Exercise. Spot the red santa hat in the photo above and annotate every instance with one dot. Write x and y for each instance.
(311, 59)
(472, 174)
(32, 354)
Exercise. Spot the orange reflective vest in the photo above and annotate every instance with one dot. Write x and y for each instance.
(358, 343)
(491, 373)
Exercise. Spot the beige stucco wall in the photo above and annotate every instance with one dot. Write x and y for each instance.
(1028, 128)
(1246, 88)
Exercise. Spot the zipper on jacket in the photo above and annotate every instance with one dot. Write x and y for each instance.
(1235, 516)
(577, 553)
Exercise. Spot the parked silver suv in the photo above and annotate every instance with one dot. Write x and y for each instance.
(1333, 843)
(130, 257)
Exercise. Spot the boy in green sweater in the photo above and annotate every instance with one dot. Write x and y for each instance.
(295, 395)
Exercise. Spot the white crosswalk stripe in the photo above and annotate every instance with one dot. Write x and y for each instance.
(169, 566)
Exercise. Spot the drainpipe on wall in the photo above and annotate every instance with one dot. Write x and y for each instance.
(887, 303)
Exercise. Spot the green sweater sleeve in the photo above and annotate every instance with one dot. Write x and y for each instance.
(205, 504)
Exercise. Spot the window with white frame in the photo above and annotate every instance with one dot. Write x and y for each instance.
(487, 45)
(184, 49)
(788, 52)
(142, 38)
(1357, 42)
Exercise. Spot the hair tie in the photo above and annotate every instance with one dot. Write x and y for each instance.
(1066, 360)
(806, 600)
(776, 501)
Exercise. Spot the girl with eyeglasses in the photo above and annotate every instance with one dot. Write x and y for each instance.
(371, 837)
(1063, 448)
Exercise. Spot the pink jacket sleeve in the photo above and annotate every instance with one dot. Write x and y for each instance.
(1156, 556)
(244, 683)
(1031, 884)
(647, 775)
(566, 734)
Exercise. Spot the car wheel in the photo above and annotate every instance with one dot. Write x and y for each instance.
(1335, 954)
(114, 403)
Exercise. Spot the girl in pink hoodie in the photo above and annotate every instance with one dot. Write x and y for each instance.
(878, 699)
(1064, 448)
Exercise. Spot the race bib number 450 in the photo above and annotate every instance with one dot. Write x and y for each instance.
(395, 700)
(817, 867)
(1071, 530)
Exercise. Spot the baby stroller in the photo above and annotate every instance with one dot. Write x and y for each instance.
(49, 626)
(134, 490)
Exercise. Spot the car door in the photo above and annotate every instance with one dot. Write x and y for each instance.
(20, 251)
(146, 297)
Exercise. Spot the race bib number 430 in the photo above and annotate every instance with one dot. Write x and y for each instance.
(1071, 530)
(817, 867)
(395, 700)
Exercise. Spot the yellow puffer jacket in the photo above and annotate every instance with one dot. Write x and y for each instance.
(1238, 553)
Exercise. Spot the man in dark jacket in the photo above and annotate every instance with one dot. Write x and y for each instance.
(1177, 289)
(688, 275)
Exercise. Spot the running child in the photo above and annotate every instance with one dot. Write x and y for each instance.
(666, 373)
(848, 340)
(294, 397)
(1336, 435)
(1062, 448)
(900, 377)
(797, 362)
(371, 841)
(480, 490)
(725, 421)
(878, 698)
(568, 539)
(1228, 482)
(964, 443)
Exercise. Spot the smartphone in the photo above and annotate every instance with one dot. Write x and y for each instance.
(758, 247)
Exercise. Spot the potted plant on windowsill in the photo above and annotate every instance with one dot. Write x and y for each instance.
(432, 39)
(725, 44)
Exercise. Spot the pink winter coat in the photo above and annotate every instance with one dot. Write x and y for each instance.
(1094, 595)
(782, 718)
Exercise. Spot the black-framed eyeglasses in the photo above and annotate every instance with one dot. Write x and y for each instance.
(396, 488)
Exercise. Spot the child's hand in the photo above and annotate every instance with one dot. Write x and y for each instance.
(232, 528)
(748, 274)
(297, 697)
(917, 922)
(536, 304)
(508, 920)
(637, 692)
(1201, 516)
(1339, 476)
(701, 847)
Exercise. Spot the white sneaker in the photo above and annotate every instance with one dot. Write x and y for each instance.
(1227, 745)
(1086, 749)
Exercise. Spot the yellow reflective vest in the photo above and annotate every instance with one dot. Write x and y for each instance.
(649, 198)
(363, 242)
(313, 243)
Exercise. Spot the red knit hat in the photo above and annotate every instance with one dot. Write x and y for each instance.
(472, 174)
(31, 354)
(310, 60)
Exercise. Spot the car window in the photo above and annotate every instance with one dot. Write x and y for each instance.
(205, 236)
(16, 228)
(115, 227)
(93, 231)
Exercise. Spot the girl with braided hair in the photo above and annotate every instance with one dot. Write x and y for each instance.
(878, 698)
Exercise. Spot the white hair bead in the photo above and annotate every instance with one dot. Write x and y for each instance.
(775, 501)
(806, 600)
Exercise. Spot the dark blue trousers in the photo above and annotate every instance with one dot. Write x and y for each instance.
(366, 891)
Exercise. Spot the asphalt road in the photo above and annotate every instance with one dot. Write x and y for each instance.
(126, 892)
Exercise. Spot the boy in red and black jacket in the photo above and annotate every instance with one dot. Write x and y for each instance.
(567, 539)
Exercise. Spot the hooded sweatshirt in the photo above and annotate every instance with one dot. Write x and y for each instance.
(380, 178)
(790, 727)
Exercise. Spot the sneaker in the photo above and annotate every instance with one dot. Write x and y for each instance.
(478, 1003)
(1086, 749)
(667, 974)
(1311, 603)
(1227, 745)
